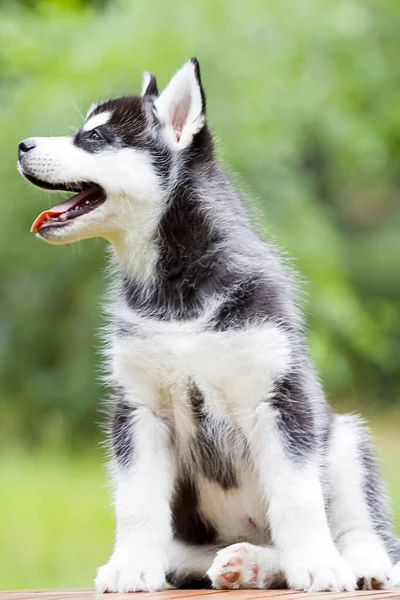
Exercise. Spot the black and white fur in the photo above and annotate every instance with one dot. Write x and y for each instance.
(230, 469)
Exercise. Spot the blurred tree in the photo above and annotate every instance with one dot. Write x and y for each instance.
(63, 4)
(303, 95)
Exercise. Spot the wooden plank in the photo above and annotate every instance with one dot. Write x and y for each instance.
(89, 594)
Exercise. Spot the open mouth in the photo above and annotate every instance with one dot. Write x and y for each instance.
(88, 197)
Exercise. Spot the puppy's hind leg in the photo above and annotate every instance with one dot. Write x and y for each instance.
(237, 566)
(360, 518)
(246, 566)
(189, 563)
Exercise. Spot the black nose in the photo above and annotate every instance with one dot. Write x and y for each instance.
(24, 147)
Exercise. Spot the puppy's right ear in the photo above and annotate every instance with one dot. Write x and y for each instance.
(180, 108)
(149, 85)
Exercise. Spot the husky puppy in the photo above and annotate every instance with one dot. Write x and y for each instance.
(230, 468)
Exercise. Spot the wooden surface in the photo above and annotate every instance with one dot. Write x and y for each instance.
(199, 595)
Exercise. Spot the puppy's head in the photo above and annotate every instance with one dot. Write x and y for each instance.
(122, 161)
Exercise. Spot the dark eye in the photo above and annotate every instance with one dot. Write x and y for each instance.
(95, 135)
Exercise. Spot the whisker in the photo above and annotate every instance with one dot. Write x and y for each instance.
(79, 112)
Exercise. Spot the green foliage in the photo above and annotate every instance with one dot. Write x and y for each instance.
(303, 95)
(55, 518)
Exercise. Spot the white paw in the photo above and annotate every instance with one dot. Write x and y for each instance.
(122, 577)
(319, 574)
(244, 565)
(370, 563)
(394, 577)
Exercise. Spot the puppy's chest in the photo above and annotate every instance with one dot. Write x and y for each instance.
(192, 373)
(173, 371)
(166, 353)
(233, 368)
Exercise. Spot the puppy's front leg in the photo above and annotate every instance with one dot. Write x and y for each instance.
(144, 484)
(296, 512)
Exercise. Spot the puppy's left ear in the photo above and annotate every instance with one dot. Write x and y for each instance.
(149, 85)
(181, 106)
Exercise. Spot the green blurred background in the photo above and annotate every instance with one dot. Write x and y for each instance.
(304, 98)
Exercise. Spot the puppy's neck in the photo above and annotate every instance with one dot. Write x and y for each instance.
(169, 236)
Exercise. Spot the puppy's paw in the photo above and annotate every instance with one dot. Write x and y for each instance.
(370, 563)
(314, 573)
(244, 565)
(394, 580)
(121, 576)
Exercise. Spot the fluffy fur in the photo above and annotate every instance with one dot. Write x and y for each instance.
(230, 469)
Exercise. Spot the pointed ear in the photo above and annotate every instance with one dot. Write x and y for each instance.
(181, 106)
(149, 85)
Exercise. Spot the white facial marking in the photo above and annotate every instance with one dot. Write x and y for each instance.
(134, 196)
(97, 120)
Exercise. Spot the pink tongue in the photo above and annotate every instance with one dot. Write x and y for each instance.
(62, 208)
